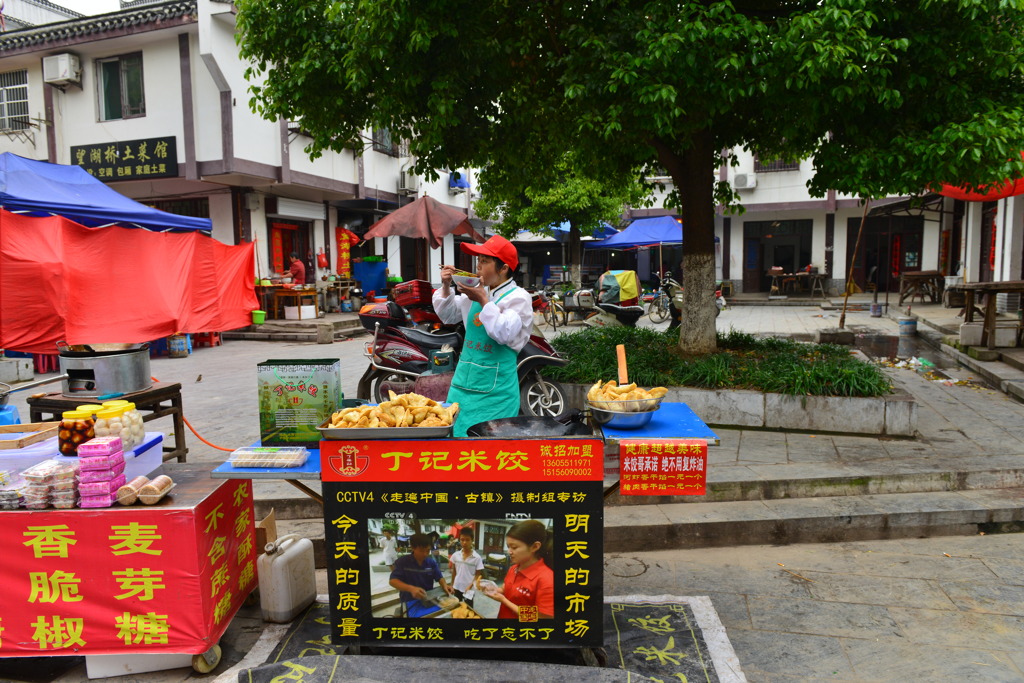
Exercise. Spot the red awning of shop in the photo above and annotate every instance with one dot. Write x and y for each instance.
(61, 280)
(994, 192)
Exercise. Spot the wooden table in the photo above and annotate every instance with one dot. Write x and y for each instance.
(990, 290)
(282, 296)
(922, 283)
(160, 400)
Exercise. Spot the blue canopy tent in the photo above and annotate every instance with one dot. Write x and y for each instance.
(560, 233)
(644, 232)
(39, 188)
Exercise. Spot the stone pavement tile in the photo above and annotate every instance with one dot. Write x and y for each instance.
(690, 513)
(900, 448)
(929, 507)
(866, 453)
(762, 439)
(643, 515)
(945, 627)
(762, 456)
(979, 547)
(1006, 504)
(928, 567)
(877, 590)
(732, 609)
(803, 470)
(991, 596)
(837, 506)
(771, 656)
(717, 457)
(814, 617)
(878, 661)
(729, 472)
(1011, 571)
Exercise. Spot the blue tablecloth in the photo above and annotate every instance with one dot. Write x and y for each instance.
(671, 421)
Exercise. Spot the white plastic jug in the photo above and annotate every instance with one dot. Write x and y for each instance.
(287, 578)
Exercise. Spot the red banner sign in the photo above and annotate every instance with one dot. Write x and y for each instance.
(663, 467)
(462, 460)
(79, 582)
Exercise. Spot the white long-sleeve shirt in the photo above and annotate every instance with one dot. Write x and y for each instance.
(507, 321)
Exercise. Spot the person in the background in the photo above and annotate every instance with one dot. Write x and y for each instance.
(414, 574)
(530, 581)
(498, 316)
(297, 269)
(467, 567)
(390, 546)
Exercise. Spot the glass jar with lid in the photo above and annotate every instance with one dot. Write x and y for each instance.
(133, 421)
(111, 422)
(76, 427)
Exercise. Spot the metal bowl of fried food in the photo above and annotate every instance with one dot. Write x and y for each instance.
(627, 414)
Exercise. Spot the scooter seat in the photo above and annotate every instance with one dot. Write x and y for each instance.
(428, 340)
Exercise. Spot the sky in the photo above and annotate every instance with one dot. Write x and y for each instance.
(90, 6)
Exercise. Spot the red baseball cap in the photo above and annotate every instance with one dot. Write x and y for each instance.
(497, 247)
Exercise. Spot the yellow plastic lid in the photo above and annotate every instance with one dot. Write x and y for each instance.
(110, 413)
(89, 408)
(130, 406)
(114, 404)
(76, 415)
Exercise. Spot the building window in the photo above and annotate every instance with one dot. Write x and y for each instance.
(774, 165)
(197, 208)
(14, 100)
(121, 91)
(384, 143)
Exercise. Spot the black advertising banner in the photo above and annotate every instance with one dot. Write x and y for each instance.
(465, 542)
(129, 160)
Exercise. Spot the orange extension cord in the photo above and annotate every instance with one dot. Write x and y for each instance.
(198, 435)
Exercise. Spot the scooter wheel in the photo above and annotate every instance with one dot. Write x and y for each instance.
(542, 397)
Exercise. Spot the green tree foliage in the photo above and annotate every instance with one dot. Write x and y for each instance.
(562, 193)
(888, 97)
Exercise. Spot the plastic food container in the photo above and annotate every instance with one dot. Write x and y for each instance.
(101, 445)
(114, 421)
(103, 501)
(76, 427)
(265, 456)
(49, 471)
(89, 476)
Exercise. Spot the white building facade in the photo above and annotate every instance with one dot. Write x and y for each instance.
(152, 100)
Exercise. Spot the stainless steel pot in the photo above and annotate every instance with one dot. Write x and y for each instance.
(105, 373)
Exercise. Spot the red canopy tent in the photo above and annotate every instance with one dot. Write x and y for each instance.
(994, 192)
(61, 280)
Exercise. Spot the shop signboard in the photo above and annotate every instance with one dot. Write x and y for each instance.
(129, 159)
(495, 488)
(663, 467)
(126, 580)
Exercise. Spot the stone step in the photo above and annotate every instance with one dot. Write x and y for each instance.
(342, 330)
(812, 520)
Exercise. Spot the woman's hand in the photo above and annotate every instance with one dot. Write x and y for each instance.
(446, 275)
(494, 593)
(477, 294)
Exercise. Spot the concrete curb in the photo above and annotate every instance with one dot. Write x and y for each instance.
(894, 415)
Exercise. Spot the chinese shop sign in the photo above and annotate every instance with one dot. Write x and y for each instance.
(663, 467)
(129, 160)
(124, 580)
(489, 486)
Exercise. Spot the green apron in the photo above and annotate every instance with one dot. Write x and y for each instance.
(486, 382)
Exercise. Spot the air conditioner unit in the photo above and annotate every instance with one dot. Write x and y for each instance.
(62, 69)
(456, 190)
(744, 181)
(408, 183)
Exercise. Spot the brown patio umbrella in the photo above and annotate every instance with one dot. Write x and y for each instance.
(426, 218)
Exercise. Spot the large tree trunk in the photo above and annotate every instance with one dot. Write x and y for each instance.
(692, 172)
(575, 257)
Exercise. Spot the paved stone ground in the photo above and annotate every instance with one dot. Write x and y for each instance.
(948, 608)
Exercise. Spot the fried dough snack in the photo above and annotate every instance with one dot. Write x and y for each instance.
(625, 399)
(405, 410)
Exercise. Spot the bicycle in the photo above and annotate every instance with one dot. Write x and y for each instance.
(546, 303)
(657, 309)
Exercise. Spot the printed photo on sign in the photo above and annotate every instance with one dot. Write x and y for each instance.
(462, 568)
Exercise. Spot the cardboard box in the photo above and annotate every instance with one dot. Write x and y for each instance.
(292, 313)
(295, 396)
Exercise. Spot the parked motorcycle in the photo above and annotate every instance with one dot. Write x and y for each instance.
(669, 300)
(399, 353)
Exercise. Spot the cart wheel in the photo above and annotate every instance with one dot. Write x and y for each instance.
(208, 661)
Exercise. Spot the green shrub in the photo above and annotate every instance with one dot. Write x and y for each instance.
(743, 362)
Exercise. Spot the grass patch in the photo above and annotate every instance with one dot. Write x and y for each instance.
(743, 361)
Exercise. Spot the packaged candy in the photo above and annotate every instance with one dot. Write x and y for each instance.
(64, 485)
(87, 476)
(101, 488)
(101, 462)
(101, 445)
(103, 501)
(49, 471)
(65, 503)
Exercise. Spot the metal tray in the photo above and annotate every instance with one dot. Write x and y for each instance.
(329, 433)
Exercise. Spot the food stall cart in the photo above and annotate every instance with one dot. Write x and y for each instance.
(119, 583)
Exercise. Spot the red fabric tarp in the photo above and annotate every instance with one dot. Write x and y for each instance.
(991, 193)
(60, 280)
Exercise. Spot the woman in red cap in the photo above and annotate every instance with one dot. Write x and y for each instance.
(499, 316)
